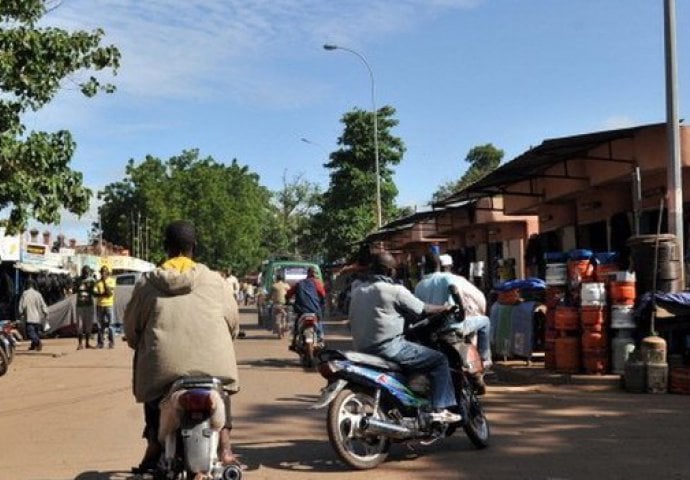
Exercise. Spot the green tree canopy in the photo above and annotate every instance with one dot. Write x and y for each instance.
(35, 178)
(226, 203)
(483, 159)
(348, 207)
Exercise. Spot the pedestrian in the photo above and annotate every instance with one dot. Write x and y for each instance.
(181, 320)
(33, 310)
(85, 307)
(278, 310)
(104, 292)
(233, 282)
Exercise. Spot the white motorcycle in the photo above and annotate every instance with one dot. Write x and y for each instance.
(192, 415)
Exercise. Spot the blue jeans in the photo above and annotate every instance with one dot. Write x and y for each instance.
(105, 319)
(482, 325)
(418, 358)
(32, 330)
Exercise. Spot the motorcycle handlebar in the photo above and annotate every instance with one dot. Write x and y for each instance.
(431, 319)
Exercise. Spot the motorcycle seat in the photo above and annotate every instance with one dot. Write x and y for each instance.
(372, 361)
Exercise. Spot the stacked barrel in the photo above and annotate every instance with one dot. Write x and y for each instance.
(556, 289)
(593, 313)
(622, 296)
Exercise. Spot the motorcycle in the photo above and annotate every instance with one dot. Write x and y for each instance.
(192, 415)
(8, 345)
(308, 341)
(372, 404)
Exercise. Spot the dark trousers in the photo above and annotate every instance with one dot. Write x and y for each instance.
(152, 417)
(32, 331)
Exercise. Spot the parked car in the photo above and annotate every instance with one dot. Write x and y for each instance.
(292, 272)
(129, 278)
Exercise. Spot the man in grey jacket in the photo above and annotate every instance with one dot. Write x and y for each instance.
(33, 309)
(181, 320)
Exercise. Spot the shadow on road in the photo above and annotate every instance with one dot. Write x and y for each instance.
(299, 456)
(112, 475)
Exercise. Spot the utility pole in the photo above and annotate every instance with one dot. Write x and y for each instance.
(673, 166)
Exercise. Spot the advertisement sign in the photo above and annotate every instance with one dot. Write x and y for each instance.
(9, 247)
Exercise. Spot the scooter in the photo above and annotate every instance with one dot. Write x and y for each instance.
(373, 404)
(308, 341)
(192, 415)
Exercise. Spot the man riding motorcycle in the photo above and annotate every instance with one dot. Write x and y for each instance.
(181, 320)
(309, 297)
(377, 328)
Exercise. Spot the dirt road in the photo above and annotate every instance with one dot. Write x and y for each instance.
(68, 414)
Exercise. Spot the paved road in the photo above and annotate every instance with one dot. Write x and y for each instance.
(69, 414)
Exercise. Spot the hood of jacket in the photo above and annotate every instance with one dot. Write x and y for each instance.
(172, 281)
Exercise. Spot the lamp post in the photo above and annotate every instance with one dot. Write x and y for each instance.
(329, 46)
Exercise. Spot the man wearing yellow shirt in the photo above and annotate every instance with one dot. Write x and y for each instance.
(104, 291)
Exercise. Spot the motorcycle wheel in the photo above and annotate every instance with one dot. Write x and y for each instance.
(344, 414)
(476, 425)
(308, 356)
(4, 362)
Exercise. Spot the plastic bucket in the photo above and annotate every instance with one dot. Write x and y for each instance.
(622, 316)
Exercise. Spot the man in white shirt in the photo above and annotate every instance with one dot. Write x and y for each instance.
(234, 283)
(434, 289)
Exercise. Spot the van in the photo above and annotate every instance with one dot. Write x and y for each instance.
(292, 272)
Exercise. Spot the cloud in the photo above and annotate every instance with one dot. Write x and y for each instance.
(620, 121)
(170, 49)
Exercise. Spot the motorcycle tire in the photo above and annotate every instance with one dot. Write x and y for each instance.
(344, 414)
(475, 424)
(308, 356)
(4, 362)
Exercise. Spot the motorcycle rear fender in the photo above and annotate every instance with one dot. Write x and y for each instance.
(200, 443)
(329, 393)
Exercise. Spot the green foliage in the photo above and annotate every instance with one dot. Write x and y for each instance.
(348, 207)
(230, 209)
(35, 178)
(483, 159)
(294, 204)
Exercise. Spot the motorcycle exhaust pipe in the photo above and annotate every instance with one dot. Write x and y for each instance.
(373, 426)
(232, 472)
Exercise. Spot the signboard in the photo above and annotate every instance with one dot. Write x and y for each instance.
(9, 247)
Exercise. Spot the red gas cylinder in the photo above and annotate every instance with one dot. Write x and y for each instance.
(567, 318)
(567, 353)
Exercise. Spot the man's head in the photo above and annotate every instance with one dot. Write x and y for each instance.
(179, 239)
(279, 277)
(105, 271)
(311, 272)
(30, 283)
(383, 263)
(85, 271)
(432, 262)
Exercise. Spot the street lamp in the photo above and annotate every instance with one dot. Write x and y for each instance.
(329, 46)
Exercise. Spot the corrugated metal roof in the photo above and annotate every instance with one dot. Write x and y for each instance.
(536, 160)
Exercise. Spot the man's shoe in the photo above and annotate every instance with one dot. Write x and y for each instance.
(100, 345)
(39, 347)
(291, 348)
(80, 347)
(445, 416)
(480, 387)
(111, 345)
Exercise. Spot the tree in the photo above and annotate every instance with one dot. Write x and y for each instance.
(348, 208)
(230, 209)
(35, 177)
(295, 203)
(483, 159)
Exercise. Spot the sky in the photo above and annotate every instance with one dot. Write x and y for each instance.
(249, 79)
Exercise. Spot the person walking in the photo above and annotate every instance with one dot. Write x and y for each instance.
(181, 320)
(85, 307)
(33, 310)
(104, 291)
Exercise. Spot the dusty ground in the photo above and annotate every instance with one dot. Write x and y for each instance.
(68, 414)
